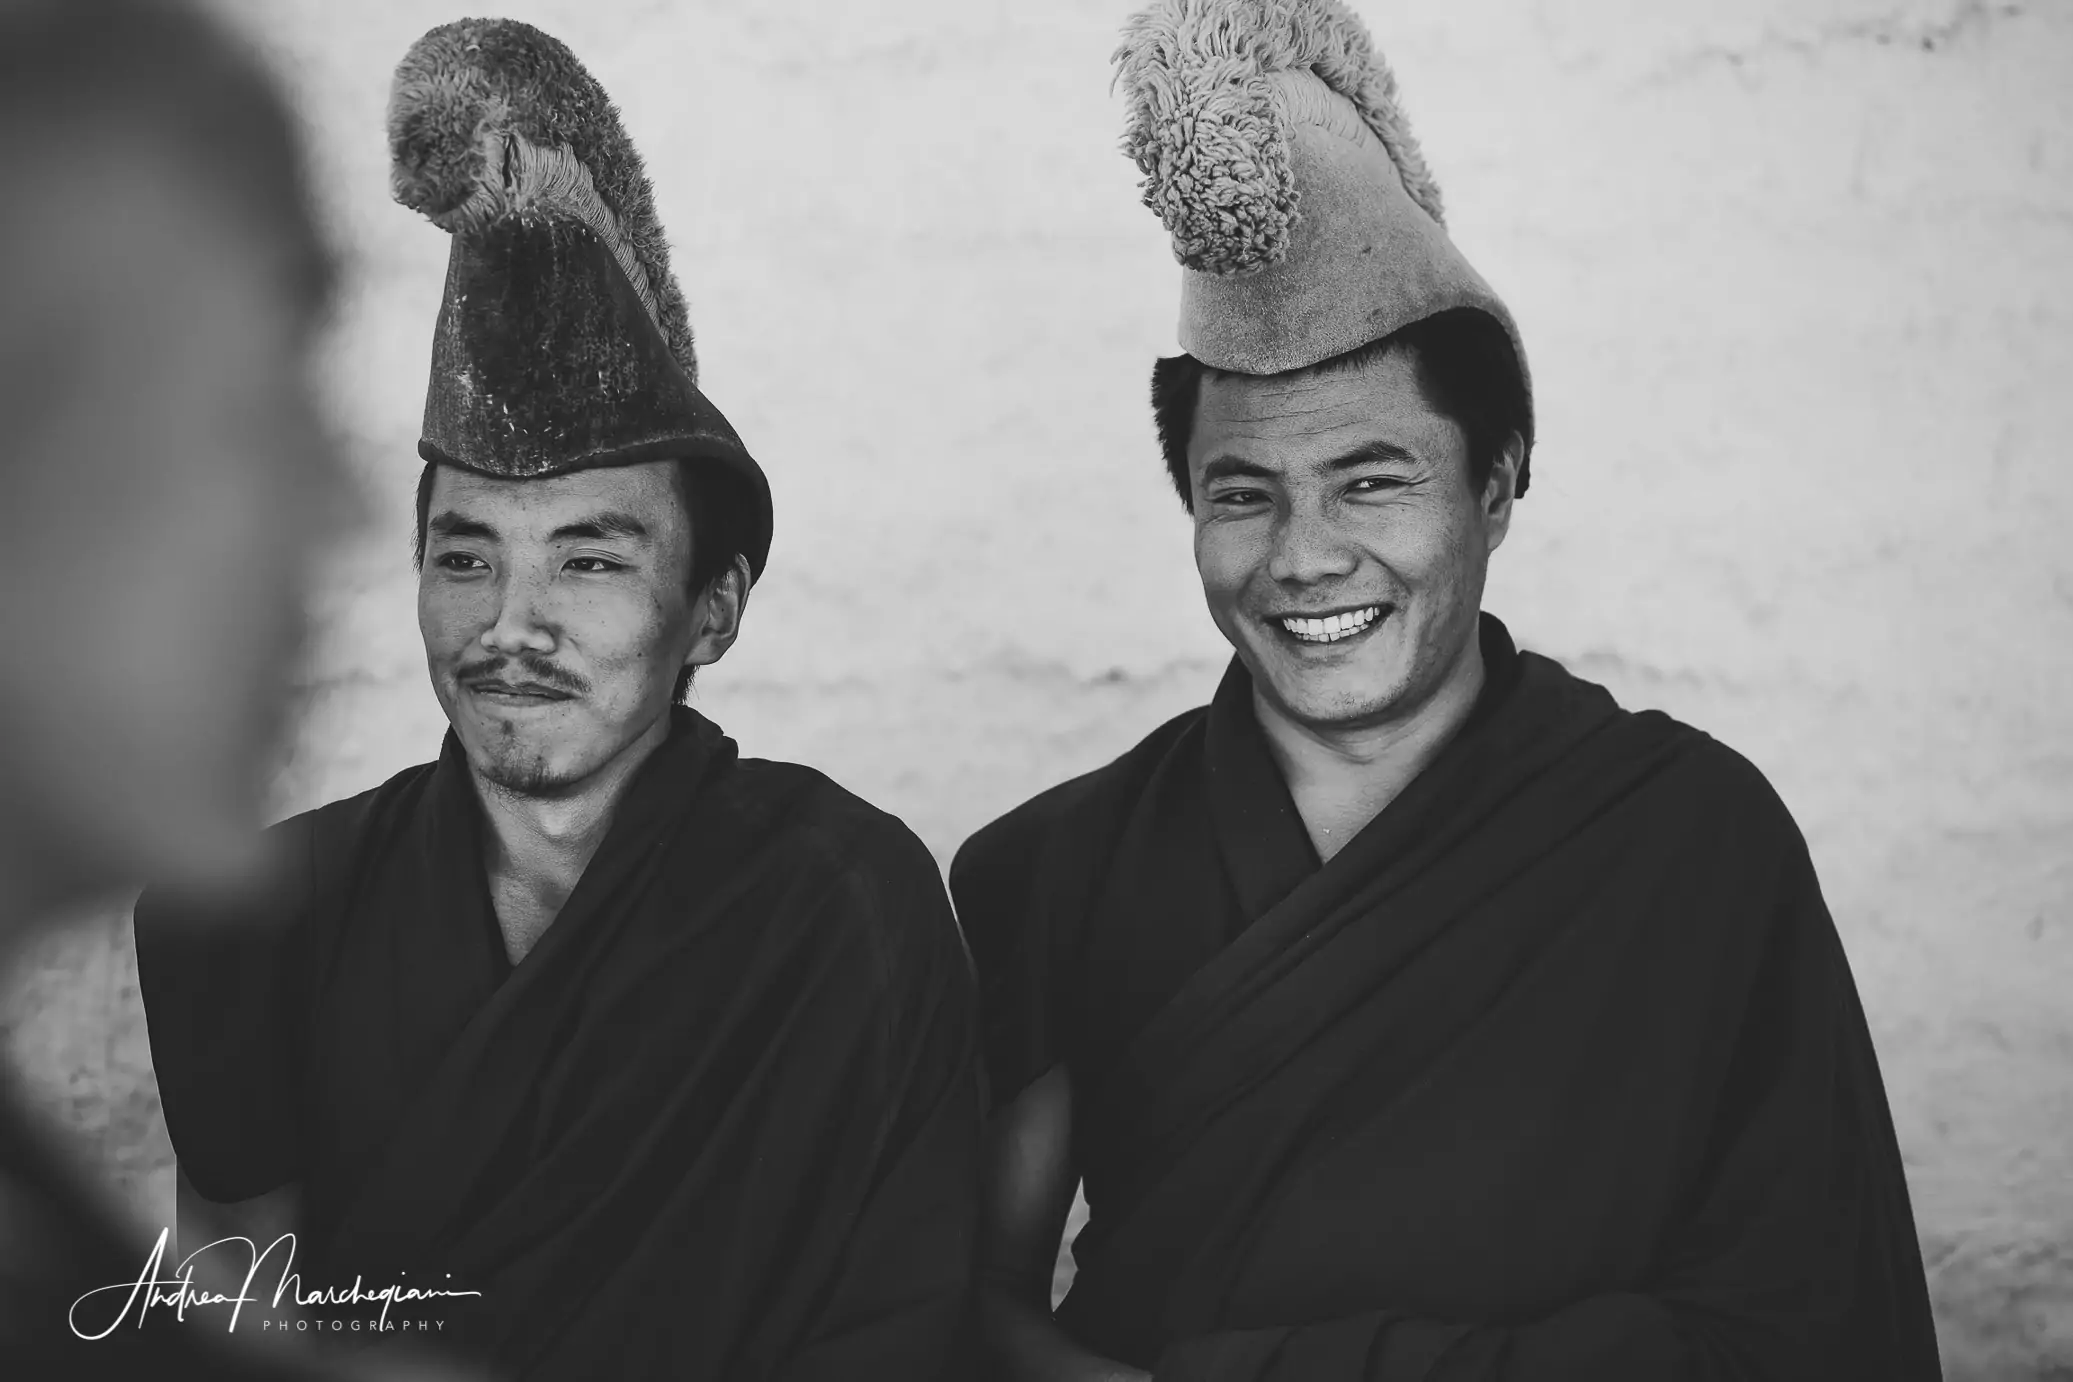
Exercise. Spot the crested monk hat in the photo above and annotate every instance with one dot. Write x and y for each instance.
(562, 342)
(1275, 150)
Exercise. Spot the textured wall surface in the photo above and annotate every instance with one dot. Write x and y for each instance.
(1796, 277)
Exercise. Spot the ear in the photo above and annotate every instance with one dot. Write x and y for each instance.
(1501, 490)
(717, 614)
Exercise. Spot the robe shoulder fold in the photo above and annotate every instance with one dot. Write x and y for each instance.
(1008, 849)
(304, 853)
(884, 887)
(1712, 815)
(225, 985)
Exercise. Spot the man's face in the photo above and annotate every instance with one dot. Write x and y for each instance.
(168, 493)
(556, 616)
(1341, 548)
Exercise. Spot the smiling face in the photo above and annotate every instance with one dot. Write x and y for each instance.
(556, 616)
(1341, 545)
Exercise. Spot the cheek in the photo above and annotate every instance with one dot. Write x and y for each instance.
(1226, 555)
(630, 628)
(614, 633)
(1433, 551)
(450, 617)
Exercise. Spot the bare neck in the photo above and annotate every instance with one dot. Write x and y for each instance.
(537, 847)
(1342, 778)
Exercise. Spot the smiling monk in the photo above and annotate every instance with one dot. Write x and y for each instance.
(667, 1054)
(1411, 1011)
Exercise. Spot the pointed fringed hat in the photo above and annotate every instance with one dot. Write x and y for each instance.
(1302, 213)
(562, 342)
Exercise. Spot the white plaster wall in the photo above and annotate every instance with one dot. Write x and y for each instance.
(1796, 279)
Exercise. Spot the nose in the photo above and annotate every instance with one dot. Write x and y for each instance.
(1309, 549)
(520, 625)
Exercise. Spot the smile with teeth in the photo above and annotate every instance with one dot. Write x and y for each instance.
(1332, 627)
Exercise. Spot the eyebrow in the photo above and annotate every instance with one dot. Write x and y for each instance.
(1369, 454)
(612, 523)
(1226, 467)
(451, 524)
(609, 524)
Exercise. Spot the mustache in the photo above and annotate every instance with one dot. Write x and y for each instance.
(516, 670)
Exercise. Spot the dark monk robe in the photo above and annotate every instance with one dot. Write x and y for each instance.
(1556, 1070)
(720, 1122)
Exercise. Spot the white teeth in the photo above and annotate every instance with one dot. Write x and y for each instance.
(1332, 627)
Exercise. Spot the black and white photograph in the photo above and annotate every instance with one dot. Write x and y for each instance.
(1084, 691)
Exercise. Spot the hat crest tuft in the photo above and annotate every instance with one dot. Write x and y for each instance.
(492, 119)
(1210, 124)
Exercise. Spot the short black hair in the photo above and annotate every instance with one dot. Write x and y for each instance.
(1465, 366)
(721, 513)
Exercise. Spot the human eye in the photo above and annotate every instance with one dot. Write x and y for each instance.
(460, 563)
(593, 566)
(1379, 485)
(1235, 499)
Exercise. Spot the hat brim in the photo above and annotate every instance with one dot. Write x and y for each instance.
(545, 362)
(695, 448)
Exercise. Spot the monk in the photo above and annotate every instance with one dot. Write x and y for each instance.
(1411, 1010)
(644, 1058)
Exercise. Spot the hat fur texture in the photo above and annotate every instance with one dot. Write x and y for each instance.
(492, 118)
(1210, 130)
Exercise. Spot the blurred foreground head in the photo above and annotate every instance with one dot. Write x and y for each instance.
(164, 485)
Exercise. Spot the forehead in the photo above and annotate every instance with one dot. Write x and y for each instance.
(648, 491)
(1285, 422)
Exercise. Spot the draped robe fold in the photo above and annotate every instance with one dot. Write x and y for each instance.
(1556, 1070)
(721, 1121)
